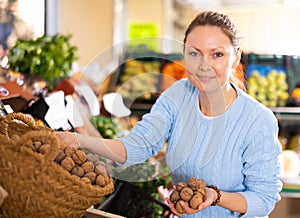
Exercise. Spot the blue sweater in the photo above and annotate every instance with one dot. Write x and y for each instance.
(236, 151)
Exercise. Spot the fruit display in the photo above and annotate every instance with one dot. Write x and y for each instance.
(294, 143)
(139, 79)
(296, 95)
(190, 193)
(171, 72)
(268, 85)
(290, 163)
(108, 127)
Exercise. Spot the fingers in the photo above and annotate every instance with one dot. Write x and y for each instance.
(209, 198)
(204, 205)
(187, 209)
(172, 208)
(68, 138)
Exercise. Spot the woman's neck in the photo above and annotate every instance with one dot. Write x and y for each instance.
(217, 102)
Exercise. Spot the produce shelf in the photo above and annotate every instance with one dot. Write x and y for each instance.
(291, 187)
(286, 113)
(290, 194)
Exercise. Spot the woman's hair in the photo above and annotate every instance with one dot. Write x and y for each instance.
(222, 21)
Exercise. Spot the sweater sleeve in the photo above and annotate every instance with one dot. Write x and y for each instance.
(148, 137)
(262, 167)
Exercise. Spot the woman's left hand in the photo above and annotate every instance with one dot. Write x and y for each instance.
(210, 197)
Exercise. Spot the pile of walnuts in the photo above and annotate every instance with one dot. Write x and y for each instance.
(191, 194)
(86, 166)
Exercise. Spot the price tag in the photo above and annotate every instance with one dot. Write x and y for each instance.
(56, 116)
(73, 113)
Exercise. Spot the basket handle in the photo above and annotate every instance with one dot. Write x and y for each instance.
(54, 142)
(16, 116)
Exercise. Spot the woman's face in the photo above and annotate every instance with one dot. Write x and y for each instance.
(209, 58)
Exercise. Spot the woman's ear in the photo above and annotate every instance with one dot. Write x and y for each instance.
(237, 60)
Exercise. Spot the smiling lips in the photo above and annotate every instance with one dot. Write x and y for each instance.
(205, 78)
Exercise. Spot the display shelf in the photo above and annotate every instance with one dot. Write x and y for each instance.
(291, 187)
(286, 113)
(289, 110)
(290, 194)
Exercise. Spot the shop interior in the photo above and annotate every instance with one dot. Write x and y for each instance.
(113, 58)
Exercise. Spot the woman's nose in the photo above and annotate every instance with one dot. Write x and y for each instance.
(204, 64)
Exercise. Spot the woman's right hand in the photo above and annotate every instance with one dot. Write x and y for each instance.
(68, 138)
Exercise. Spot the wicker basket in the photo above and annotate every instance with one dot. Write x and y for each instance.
(37, 186)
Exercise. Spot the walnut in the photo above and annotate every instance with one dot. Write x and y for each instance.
(15, 137)
(88, 166)
(92, 157)
(86, 180)
(174, 197)
(60, 155)
(29, 144)
(69, 150)
(77, 171)
(179, 208)
(62, 146)
(107, 168)
(106, 179)
(67, 163)
(91, 176)
(100, 170)
(101, 180)
(37, 144)
(200, 191)
(186, 193)
(196, 183)
(181, 185)
(79, 157)
(42, 140)
(196, 201)
(45, 148)
(46, 141)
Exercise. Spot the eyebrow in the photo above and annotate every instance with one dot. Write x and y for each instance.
(200, 50)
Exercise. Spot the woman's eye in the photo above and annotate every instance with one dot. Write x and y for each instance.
(218, 54)
(194, 54)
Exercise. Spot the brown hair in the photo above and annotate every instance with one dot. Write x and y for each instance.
(222, 21)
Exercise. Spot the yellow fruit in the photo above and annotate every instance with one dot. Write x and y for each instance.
(296, 93)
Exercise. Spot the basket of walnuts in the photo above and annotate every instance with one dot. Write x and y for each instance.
(45, 177)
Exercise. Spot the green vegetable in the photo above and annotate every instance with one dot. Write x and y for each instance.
(50, 57)
(107, 127)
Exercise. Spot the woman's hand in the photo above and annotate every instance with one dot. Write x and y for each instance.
(210, 197)
(68, 138)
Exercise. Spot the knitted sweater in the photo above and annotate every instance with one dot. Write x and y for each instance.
(237, 151)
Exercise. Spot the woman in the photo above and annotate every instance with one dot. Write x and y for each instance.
(215, 131)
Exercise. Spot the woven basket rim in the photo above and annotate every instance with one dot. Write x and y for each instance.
(47, 161)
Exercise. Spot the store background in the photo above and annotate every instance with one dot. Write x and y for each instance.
(98, 26)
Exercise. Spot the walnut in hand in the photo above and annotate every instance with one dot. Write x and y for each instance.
(191, 194)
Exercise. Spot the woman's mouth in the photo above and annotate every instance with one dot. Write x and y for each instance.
(205, 78)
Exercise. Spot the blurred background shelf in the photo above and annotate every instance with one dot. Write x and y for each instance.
(290, 194)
